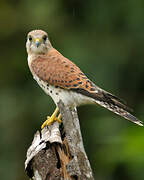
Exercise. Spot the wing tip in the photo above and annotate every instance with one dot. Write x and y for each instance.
(133, 119)
(140, 123)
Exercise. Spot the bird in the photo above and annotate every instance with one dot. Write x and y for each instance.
(63, 80)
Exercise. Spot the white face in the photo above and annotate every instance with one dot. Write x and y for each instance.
(37, 43)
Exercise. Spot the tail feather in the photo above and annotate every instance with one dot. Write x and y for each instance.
(120, 109)
(117, 100)
(111, 103)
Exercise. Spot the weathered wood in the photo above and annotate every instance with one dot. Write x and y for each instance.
(57, 153)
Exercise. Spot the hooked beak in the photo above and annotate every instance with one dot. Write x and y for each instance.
(37, 42)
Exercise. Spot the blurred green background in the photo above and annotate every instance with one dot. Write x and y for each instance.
(106, 39)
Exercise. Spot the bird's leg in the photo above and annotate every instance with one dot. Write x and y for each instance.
(51, 119)
(59, 118)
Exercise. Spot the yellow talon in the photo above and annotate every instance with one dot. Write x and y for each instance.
(59, 118)
(52, 119)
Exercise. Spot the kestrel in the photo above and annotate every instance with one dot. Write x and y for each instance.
(63, 80)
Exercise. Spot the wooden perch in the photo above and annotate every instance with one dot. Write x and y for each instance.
(57, 153)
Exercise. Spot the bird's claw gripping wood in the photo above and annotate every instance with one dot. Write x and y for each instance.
(52, 119)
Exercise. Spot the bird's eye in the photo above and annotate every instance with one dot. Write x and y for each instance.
(44, 37)
(30, 38)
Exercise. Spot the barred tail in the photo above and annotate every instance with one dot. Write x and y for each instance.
(110, 102)
(117, 110)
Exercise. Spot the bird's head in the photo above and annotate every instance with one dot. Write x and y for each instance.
(38, 42)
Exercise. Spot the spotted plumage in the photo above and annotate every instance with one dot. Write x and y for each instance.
(51, 69)
(63, 80)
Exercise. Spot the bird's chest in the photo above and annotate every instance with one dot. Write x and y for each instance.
(68, 97)
(49, 89)
(56, 93)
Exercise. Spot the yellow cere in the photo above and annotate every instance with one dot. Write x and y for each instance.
(37, 40)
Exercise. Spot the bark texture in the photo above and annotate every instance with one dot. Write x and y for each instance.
(57, 153)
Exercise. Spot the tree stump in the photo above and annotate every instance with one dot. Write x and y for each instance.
(57, 152)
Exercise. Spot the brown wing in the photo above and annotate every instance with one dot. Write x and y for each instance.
(59, 71)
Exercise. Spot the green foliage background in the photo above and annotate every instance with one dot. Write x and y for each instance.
(106, 39)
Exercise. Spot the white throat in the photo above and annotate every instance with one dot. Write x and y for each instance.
(29, 58)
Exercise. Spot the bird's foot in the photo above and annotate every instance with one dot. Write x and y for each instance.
(52, 119)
